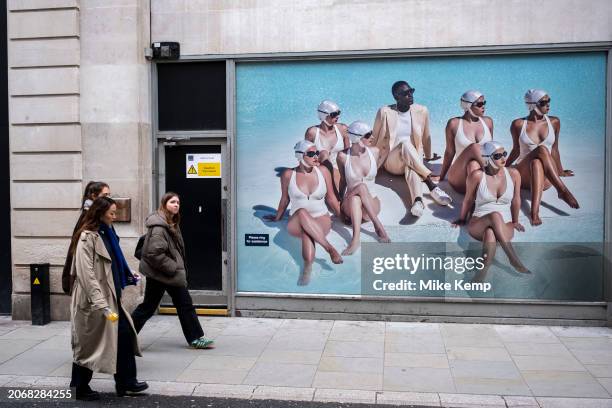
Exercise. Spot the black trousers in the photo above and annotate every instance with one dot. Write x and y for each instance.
(154, 291)
(126, 361)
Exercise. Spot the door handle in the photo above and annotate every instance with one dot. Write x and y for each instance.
(224, 225)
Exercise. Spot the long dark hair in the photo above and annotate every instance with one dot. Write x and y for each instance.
(91, 221)
(172, 219)
(92, 191)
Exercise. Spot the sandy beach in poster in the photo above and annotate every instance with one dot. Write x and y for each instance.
(276, 102)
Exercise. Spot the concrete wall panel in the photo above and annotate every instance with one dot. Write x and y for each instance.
(42, 53)
(41, 250)
(268, 26)
(47, 138)
(67, 166)
(27, 223)
(47, 109)
(46, 195)
(44, 23)
(44, 81)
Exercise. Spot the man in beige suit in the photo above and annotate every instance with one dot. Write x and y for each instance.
(401, 132)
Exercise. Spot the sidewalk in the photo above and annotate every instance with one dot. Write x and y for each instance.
(458, 365)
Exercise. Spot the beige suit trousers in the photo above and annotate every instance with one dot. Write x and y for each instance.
(405, 159)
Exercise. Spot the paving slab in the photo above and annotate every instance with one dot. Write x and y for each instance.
(348, 380)
(556, 363)
(564, 384)
(574, 403)
(36, 362)
(351, 364)
(408, 398)
(224, 390)
(280, 374)
(521, 402)
(537, 349)
(345, 396)
(599, 370)
(290, 356)
(485, 369)
(472, 401)
(478, 353)
(212, 376)
(529, 334)
(354, 349)
(283, 393)
(492, 386)
(416, 360)
(171, 388)
(418, 379)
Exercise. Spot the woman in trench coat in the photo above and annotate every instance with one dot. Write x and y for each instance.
(103, 335)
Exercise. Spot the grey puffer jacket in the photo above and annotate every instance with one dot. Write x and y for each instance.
(163, 253)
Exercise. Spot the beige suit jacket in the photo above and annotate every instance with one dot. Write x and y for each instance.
(385, 126)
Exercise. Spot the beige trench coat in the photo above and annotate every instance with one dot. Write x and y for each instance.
(94, 338)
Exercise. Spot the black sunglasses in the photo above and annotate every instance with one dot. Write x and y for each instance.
(312, 153)
(331, 114)
(544, 102)
(497, 156)
(407, 92)
(480, 104)
(367, 135)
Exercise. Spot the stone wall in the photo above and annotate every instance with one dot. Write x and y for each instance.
(79, 110)
(272, 26)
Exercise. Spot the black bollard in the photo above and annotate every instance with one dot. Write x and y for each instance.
(40, 294)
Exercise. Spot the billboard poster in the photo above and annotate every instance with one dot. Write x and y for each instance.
(443, 176)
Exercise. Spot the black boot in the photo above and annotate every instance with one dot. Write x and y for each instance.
(136, 387)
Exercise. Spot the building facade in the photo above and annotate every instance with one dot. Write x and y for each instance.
(86, 102)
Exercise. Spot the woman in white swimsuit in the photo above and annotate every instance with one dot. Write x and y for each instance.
(465, 136)
(536, 151)
(358, 172)
(330, 137)
(307, 187)
(495, 194)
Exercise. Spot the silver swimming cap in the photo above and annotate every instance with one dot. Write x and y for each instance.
(325, 108)
(302, 147)
(532, 97)
(468, 98)
(488, 149)
(357, 129)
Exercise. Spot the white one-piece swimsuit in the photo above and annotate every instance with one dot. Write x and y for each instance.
(527, 145)
(352, 180)
(487, 203)
(461, 141)
(338, 147)
(315, 202)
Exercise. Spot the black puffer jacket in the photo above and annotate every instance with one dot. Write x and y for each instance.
(163, 253)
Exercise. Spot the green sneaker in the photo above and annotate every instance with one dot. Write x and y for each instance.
(202, 343)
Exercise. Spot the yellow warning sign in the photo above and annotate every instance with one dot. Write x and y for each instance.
(36, 281)
(209, 169)
(192, 170)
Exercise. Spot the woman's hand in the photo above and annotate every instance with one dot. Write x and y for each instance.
(567, 173)
(270, 217)
(458, 222)
(518, 226)
(435, 177)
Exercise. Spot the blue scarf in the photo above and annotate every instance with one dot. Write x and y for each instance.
(121, 271)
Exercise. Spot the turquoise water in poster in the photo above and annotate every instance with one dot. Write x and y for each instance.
(276, 102)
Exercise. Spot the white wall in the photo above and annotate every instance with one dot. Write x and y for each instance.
(267, 26)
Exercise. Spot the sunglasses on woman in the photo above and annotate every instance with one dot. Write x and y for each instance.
(544, 102)
(480, 104)
(497, 156)
(331, 114)
(312, 153)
